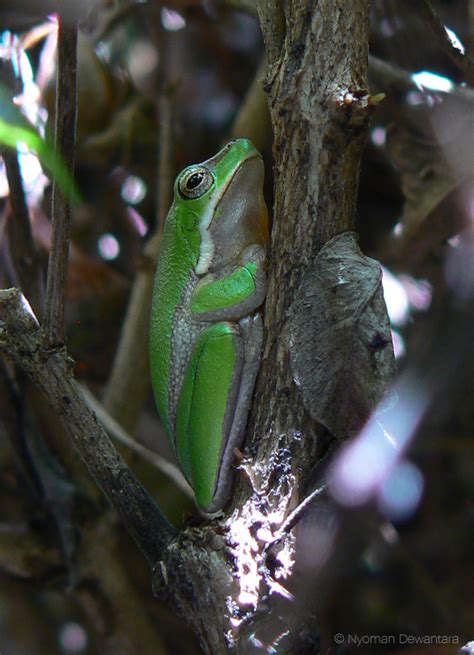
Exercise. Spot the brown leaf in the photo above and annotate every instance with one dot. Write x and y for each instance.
(341, 347)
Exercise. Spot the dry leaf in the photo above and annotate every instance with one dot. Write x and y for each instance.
(341, 347)
(436, 177)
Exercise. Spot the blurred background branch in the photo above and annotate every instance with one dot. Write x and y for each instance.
(23, 248)
(432, 20)
(65, 138)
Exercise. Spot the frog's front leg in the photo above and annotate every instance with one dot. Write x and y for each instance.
(213, 406)
(233, 292)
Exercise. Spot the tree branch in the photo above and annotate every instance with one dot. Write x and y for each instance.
(51, 372)
(65, 132)
(392, 79)
(21, 245)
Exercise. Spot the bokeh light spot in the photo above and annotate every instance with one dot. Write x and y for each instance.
(137, 221)
(401, 492)
(396, 298)
(364, 465)
(109, 247)
(133, 189)
(415, 98)
(378, 135)
(398, 341)
(432, 81)
(172, 20)
(72, 638)
(419, 292)
(455, 40)
(143, 59)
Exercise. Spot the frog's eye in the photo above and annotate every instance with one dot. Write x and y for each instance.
(195, 181)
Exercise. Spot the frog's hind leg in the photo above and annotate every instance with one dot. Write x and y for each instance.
(213, 406)
(251, 343)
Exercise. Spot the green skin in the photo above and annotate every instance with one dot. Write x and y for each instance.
(206, 332)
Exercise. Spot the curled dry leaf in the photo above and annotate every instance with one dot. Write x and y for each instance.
(341, 349)
(436, 176)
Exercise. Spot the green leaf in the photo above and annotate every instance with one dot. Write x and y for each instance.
(15, 129)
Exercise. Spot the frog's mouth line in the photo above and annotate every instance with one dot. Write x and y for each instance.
(207, 246)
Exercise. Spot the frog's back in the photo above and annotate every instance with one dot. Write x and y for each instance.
(174, 280)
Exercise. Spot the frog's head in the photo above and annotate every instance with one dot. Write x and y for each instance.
(220, 207)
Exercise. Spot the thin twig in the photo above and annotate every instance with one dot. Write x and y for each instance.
(119, 434)
(430, 17)
(65, 132)
(51, 372)
(128, 384)
(295, 516)
(20, 239)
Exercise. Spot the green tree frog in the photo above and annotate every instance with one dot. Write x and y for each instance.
(206, 331)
